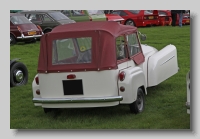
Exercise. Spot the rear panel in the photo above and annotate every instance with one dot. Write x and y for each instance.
(86, 84)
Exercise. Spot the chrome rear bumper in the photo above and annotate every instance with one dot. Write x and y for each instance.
(28, 37)
(78, 100)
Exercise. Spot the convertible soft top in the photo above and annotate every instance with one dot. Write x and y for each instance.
(103, 34)
(113, 28)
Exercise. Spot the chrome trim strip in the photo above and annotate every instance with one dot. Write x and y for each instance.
(78, 100)
(187, 104)
(26, 37)
(167, 60)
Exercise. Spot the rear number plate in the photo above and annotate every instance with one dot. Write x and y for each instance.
(73, 87)
(31, 33)
(150, 17)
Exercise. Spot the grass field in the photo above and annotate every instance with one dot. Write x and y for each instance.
(165, 103)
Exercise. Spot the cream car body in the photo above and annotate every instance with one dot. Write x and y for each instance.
(104, 80)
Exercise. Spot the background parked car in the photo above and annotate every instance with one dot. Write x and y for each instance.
(21, 29)
(186, 18)
(164, 17)
(47, 19)
(18, 73)
(90, 15)
(138, 18)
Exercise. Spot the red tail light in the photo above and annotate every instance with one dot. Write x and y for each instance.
(39, 27)
(90, 18)
(122, 75)
(19, 29)
(38, 92)
(122, 89)
(71, 76)
(37, 80)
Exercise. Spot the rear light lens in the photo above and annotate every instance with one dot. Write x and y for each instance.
(122, 89)
(90, 18)
(39, 27)
(19, 29)
(122, 75)
(71, 76)
(37, 80)
(38, 92)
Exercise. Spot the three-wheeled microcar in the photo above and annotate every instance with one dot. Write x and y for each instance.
(98, 64)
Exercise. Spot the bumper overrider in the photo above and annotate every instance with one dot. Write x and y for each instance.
(187, 104)
(78, 100)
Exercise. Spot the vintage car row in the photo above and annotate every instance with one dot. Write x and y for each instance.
(21, 29)
(91, 15)
(47, 19)
(143, 18)
(98, 64)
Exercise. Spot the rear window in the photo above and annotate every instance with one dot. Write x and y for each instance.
(95, 12)
(72, 51)
(58, 16)
(19, 20)
(134, 11)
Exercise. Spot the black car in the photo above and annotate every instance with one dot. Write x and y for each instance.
(47, 19)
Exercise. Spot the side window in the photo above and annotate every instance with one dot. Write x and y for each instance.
(46, 18)
(120, 48)
(34, 17)
(66, 12)
(133, 44)
(72, 51)
(122, 13)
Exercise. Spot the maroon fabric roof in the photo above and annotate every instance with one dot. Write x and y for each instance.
(103, 34)
(113, 28)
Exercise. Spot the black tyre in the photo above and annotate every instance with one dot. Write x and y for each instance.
(47, 31)
(18, 74)
(138, 106)
(12, 40)
(130, 22)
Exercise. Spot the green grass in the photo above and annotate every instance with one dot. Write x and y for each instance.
(165, 103)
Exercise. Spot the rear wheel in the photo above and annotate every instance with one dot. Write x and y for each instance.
(130, 22)
(12, 39)
(138, 105)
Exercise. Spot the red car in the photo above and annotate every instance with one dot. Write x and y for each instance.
(164, 17)
(186, 17)
(138, 18)
(21, 29)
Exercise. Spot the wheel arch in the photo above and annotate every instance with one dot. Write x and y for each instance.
(135, 78)
(48, 28)
(13, 34)
(132, 20)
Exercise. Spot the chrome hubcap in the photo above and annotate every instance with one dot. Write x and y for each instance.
(18, 76)
(130, 23)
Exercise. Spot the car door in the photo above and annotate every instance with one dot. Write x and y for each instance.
(78, 16)
(47, 22)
